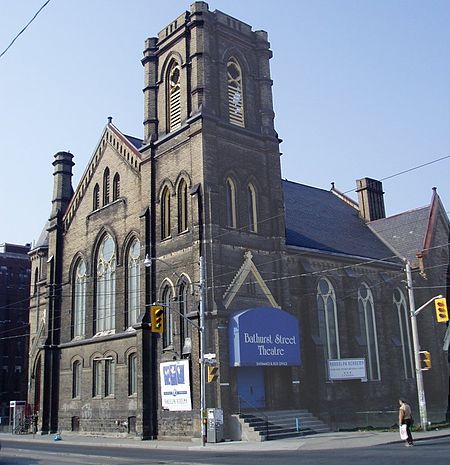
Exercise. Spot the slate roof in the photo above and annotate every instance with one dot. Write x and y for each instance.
(405, 231)
(43, 237)
(317, 219)
(137, 143)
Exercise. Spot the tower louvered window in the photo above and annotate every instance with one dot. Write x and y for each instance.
(235, 100)
(174, 99)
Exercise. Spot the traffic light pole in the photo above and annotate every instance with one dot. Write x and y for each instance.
(415, 334)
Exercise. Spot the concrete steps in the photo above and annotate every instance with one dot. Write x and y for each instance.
(272, 425)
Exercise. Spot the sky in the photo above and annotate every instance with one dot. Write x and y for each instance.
(361, 89)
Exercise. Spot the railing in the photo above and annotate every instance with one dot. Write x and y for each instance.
(249, 407)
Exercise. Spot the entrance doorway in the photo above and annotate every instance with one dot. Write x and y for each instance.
(251, 388)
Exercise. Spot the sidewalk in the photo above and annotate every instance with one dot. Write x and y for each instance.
(333, 440)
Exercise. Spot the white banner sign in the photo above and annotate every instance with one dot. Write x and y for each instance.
(175, 385)
(347, 368)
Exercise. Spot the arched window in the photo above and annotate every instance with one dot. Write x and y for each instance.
(182, 206)
(401, 308)
(96, 198)
(97, 378)
(174, 96)
(116, 186)
(368, 330)
(106, 285)
(79, 300)
(165, 213)
(252, 210)
(328, 320)
(184, 306)
(106, 187)
(167, 301)
(110, 374)
(231, 203)
(76, 379)
(132, 374)
(133, 290)
(235, 94)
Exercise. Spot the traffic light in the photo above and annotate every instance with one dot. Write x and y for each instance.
(425, 360)
(157, 319)
(441, 310)
(213, 373)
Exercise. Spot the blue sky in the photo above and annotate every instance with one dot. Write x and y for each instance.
(361, 88)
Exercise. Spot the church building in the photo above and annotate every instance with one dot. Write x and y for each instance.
(275, 296)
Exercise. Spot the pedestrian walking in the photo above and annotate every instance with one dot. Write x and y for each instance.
(405, 418)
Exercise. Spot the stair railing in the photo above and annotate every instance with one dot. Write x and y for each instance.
(257, 411)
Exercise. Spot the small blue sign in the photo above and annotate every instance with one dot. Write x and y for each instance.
(264, 336)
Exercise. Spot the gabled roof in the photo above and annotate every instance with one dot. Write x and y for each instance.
(405, 232)
(411, 233)
(319, 220)
(126, 147)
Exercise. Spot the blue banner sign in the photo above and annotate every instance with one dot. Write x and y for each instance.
(264, 336)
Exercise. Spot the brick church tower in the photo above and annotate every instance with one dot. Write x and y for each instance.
(215, 175)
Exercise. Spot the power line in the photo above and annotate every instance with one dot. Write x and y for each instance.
(26, 26)
(406, 171)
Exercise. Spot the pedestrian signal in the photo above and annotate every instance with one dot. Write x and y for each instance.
(213, 373)
(425, 360)
(441, 310)
(157, 319)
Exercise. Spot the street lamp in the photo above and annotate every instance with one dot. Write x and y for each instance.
(148, 263)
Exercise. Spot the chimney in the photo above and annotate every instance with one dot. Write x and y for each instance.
(370, 198)
(62, 182)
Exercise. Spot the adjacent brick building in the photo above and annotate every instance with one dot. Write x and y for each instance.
(14, 331)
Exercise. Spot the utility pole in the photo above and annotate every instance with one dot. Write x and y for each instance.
(416, 345)
(202, 350)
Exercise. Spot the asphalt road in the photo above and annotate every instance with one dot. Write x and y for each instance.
(430, 452)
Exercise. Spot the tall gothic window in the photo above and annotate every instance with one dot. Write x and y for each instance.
(76, 379)
(368, 330)
(96, 378)
(328, 320)
(96, 198)
(116, 186)
(182, 206)
(174, 96)
(165, 213)
(184, 308)
(231, 203)
(109, 377)
(106, 285)
(235, 97)
(79, 299)
(133, 281)
(167, 300)
(252, 210)
(106, 187)
(132, 374)
(401, 308)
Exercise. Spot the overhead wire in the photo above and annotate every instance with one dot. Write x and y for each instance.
(24, 28)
